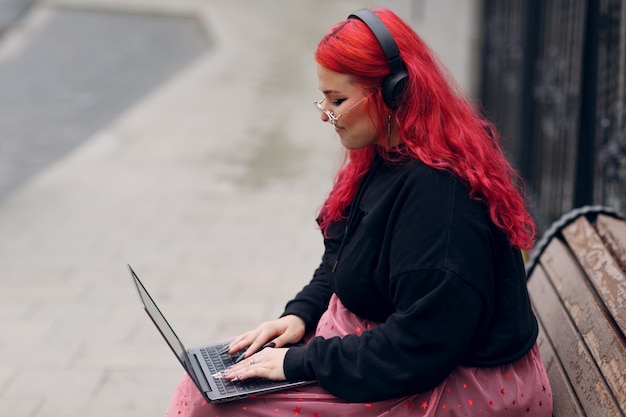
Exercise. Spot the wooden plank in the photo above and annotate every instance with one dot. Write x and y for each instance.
(612, 231)
(601, 336)
(563, 317)
(600, 266)
(565, 402)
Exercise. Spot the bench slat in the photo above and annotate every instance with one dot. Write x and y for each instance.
(613, 234)
(559, 271)
(600, 267)
(591, 317)
(564, 398)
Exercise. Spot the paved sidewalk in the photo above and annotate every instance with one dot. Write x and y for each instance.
(208, 187)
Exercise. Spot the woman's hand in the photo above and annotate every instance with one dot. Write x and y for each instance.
(281, 332)
(267, 363)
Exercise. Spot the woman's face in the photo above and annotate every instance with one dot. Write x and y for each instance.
(348, 103)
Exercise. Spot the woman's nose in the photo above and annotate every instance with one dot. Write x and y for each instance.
(324, 116)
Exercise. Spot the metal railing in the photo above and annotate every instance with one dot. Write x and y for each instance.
(553, 82)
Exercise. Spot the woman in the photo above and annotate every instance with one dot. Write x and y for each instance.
(419, 306)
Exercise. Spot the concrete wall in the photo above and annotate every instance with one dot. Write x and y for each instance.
(453, 29)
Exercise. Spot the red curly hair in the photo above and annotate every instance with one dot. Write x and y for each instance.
(435, 123)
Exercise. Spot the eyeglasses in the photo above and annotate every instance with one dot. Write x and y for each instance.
(332, 119)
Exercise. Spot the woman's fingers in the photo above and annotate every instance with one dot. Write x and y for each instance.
(267, 363)
(281, 332)
(239, 343)
(286, 330)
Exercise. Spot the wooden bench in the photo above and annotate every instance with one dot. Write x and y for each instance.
(577, 283)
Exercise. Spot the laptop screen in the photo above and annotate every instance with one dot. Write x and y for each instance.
(159, 320)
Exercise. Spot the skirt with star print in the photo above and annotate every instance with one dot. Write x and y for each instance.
(520, 388)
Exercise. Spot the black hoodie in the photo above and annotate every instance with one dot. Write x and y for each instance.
(424, 259)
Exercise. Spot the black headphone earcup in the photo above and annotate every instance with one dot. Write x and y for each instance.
(392, 89)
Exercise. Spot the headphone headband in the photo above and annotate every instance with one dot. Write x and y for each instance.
(394, 84)
(383, 36)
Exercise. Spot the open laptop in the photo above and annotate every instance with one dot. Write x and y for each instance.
(202, 362)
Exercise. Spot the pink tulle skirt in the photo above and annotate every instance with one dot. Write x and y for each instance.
(520, 388)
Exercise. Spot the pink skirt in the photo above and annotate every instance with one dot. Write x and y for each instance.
(520, 388)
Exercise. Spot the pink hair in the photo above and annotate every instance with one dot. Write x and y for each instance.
(436, 125)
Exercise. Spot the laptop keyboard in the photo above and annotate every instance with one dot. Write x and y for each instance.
(217, 363)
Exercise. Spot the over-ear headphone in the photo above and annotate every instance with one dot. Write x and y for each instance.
(393, 84)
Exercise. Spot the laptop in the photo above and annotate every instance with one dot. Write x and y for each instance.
(202, 362)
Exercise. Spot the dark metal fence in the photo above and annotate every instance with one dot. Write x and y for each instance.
(553, 82)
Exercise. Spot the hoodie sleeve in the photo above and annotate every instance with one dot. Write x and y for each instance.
(413, 351)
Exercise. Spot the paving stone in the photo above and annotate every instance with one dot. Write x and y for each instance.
(64, 384)
(25, 404)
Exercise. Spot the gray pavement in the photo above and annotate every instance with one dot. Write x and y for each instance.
(78, 71)
(208, 185)
(11, 11)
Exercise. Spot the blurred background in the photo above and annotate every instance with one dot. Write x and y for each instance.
(180, 136)
(552, 78)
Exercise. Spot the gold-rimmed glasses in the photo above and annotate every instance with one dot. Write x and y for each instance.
(332, 119)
